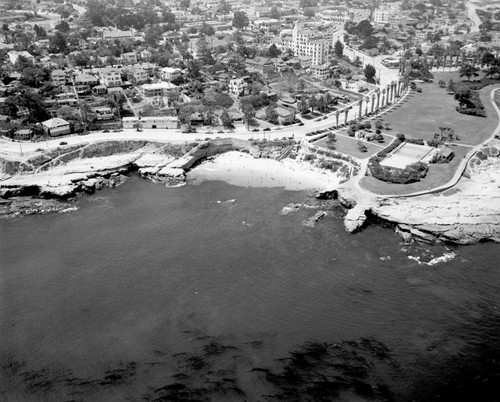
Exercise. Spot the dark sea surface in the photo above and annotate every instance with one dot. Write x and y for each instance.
(155, 293)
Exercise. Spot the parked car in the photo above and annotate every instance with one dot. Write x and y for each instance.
(267, 129)
(63, 143)
(105, 131)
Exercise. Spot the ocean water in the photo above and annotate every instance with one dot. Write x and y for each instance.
(155, 293)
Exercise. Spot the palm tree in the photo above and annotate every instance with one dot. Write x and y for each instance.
(346, 111)
(367, 100)
(360, 107)
(337, 114)
(383, 97)
(373, 101)
(378, 99)
(85, 111)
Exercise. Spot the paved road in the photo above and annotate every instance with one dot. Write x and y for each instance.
(471, 9)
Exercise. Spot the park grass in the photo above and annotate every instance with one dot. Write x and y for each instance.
(423, 114)
(497, 98)
(349, 146)
(437, 175)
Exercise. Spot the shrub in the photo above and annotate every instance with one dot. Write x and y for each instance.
(472, 111)
(391, 147)
(481, 156)
(434, 143)
(378, 131)
(378, 124)
(410, 174)
(362, 147)
(309, 157)
(400, 136)
(418, 141)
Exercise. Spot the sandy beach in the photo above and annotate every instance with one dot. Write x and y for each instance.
(242, 169)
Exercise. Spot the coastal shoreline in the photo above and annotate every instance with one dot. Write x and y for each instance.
(430, 218)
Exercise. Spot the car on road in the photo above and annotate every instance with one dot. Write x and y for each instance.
(105, 131)
(63, 143)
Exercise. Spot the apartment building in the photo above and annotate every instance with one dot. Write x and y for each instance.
(110, 77)
(315, 41)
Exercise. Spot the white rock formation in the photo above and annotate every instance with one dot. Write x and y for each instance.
(470, 213)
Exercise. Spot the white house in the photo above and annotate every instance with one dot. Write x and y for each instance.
(237, 86)
(129, 58)
(170, 74)
(110, 77)
(13, 56)
(58, 77)
(157, 89)
(56, 127)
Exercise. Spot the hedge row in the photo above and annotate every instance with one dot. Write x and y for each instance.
(472, 111)
(418, 141)
(410, 174)
(396, 143)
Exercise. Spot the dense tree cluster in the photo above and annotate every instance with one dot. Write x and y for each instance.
(126, 15)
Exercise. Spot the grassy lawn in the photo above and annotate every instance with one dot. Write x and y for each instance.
(438, 174)
(348, 146)
(423, 114)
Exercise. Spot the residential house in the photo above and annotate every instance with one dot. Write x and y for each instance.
(110, 77)
(262, 65)
(99, 90)
(157, 89)
(86, 79)
(23, 134)
(266, 25)
(322, 72)
(170, 74)
(118, 35)
(139, 75)
(145, 55)
(104, 113)
(56, 127)
(129, 58)
(66, 99)
(14, 55)
(238, 86)
(285, 116)
(59, 77)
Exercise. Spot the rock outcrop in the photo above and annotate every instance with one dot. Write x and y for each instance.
(468, 214)
(355, 218)
(65, 181)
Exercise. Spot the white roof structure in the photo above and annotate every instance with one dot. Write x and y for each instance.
(55, 123)
(158, 86)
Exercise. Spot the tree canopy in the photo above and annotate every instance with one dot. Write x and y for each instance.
(370, 73)
(240, 20)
